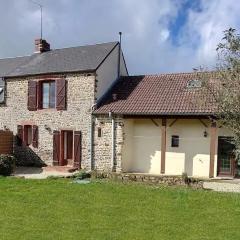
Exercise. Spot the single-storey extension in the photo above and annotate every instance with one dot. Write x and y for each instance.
(156, 124)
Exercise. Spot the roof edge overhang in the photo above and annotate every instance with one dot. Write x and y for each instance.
(51, 73)
(159, 115)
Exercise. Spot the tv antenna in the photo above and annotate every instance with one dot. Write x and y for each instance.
(41, 10)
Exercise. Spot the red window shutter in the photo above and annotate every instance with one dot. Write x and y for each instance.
(32, 95)
(19, 135)
(61, 94)
(39, 95)
(35, 136)
(77, 149)
(56, 148)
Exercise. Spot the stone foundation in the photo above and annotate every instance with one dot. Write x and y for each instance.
(151, 179)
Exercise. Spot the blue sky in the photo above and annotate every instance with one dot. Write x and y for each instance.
(158, 35)
(182, 18)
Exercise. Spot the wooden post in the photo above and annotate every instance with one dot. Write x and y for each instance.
(213, 138)
(163, 145)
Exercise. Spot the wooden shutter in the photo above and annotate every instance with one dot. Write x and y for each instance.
(32, 95)
(35, 136)
(56, 148)
(77, 149)
(19, 135)
(61, 94)
(39, 95)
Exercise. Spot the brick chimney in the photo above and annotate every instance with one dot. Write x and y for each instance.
(41, 46)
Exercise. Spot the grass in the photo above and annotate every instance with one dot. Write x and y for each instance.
(59, 209)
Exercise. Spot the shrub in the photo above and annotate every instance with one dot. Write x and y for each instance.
(95, 174)
(51, 177)
(7, 164)
(185, 178)
(82, 174)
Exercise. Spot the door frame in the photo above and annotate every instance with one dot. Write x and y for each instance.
(233, 166)
(63, 162)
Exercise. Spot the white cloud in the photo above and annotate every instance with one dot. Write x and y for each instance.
(206, 28)
(146, 27)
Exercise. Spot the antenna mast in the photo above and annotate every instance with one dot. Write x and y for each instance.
(41, 10)
(119, 54)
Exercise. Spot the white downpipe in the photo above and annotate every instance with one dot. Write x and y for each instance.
(92, 165)
(113, 141)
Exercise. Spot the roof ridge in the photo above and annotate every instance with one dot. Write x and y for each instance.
(16, 57)
(57, 49)
(87, 45)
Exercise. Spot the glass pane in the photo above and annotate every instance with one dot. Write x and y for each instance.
(225, 155)
(225, 163)
(52, 95)
(45, 95)
(29, 135)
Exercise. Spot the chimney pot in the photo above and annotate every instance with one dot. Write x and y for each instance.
(41, 45)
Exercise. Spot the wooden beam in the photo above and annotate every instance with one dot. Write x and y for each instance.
(171, 124)
(155, 123)
(203, 123)
(163, 116)
(163, 145)
(213, 139)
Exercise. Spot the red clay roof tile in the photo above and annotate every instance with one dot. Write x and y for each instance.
(164, 94)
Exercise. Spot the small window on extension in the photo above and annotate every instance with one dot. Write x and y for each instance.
(175, 141)
(99, 132)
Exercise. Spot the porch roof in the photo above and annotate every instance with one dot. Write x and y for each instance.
(163, 94)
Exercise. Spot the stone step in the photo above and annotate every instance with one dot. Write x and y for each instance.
(62, 169)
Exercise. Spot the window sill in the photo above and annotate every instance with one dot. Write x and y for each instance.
(47, 110)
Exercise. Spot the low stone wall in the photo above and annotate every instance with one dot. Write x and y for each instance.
(151, 179)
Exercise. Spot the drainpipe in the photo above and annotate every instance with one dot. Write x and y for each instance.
(113, 141)
(92, 138)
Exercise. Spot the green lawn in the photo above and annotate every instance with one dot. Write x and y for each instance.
(59, 209)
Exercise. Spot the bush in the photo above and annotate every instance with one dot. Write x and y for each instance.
(185, 178)
(7, 164)
(82, 174)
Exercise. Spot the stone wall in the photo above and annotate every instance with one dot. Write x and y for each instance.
(151, 179)
(80, 98)
(103, 144)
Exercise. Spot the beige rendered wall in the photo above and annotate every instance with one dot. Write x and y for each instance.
(193, 154)
(142, 146)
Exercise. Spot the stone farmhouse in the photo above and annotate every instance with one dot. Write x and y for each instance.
(48, 98)
(79, 107)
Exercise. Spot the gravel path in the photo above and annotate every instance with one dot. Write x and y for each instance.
(222, 186)
(38, 173)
